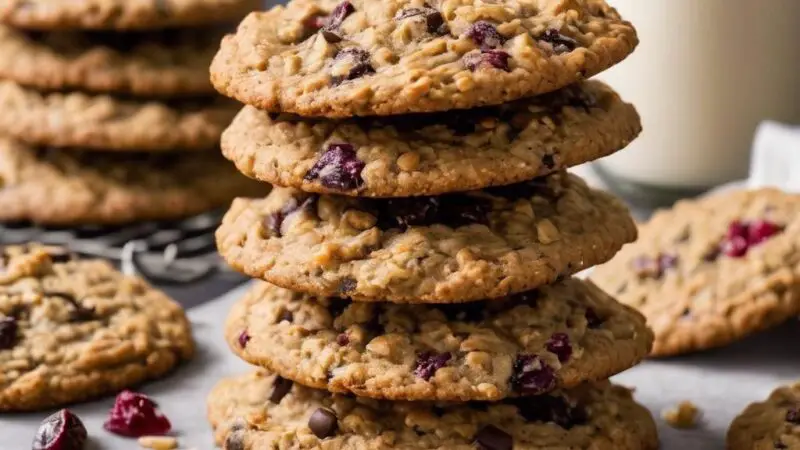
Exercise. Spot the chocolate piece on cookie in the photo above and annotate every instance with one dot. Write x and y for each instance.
(358, 57)
(713, 270)
(428, 154)
(75, 329)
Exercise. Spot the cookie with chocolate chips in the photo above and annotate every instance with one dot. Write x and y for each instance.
(164, 63)
(773, 424)
(446, 249)
(526, 344)
(121, 15)
(71, 187)
(75, 329)
(108, 123)
(246, 414)
(428, 154)
(342, 58)
(713, 270)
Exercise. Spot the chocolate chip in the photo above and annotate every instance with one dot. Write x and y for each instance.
(60, 255)
(285, 315)
(8, 332)
(273, 222)
(561, 44)
(280, 387)
(79, 313)
(497, 59)
(485, 35)
(492, 438)
(434, 21)
(793, 416)
(429, 362)
(549, 161)
(559, 345)
(593, 320)
(244, 338)
(779, 445)
(347, 285)
(342, 339)
(323, 423)
(331, 37)
(550, 408)
(532, 376)
(360, 64)
(337, 168)
(337, 16)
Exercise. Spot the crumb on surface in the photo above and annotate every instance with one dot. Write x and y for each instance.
(684, 415)
(158, 442)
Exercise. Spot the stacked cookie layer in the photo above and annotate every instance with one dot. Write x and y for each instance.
(108, 116)
(418, 247)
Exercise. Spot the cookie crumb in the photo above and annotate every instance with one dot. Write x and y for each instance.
(158, 442)
(684, 415)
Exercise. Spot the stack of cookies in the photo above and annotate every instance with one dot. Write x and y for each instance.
(108, 116)
(418, 248)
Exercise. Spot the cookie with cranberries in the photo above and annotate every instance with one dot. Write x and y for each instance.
(710, 271)
(443, 249)
(74, 329)
(246, 414)
(530, 343)
(343, 58)
(770, 424)
(435, 153)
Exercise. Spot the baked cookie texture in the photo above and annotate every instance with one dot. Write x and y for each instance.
(121, 15)
(162, 63)
(260, 410)
(768, 425)
(531, 343)
(711, 271)
(75, 329)
(107, 123)
(359, 57)
(429, 154)
(64, 187)
(448, 249)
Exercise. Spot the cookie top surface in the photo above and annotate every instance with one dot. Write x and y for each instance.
(74, 329)
(103, 122)
(358, 57)
(248, 413)
(115, 15)
(66, 187)
(527, 344)
(453, 248)
(713, 270)
(164, 63)
(428, 154)
(769, 425)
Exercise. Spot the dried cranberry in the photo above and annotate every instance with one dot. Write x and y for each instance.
(532, 376)
(735, 247)
(559, 344)
(793, 416)
(135, 415)
(244, 338)
(60, 431)
(761, 230)
(548, 408)
(360, 64)
(429, 362)
(338, 168)
(8, 332)
(315, 22)
(485, 35)
(337, 16)
(487, 58)
(560, 43)
(342, 339)
(736, 228)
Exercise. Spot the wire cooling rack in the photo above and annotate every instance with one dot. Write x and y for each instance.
(178, 256)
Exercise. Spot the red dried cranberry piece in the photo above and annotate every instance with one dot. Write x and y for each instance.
(343, 339)
(485, 35)
(793, 416)
(8, 332)
(244, 338)
(736, 228)
(761, 230)
(337, 16)
(60, 431)
(338, 168)
(315, 22)
(735, 247)
(429, 362)
(135, 415)
(559, 344)
(532, 376)
(561, 44)
(487, 58)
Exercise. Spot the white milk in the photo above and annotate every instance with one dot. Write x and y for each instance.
(705, 74)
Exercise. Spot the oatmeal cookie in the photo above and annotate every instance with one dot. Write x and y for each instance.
(773, 424)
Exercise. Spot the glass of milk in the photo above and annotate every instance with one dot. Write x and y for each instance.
(705, 74)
